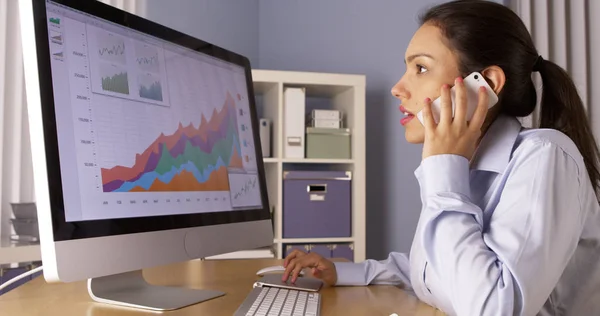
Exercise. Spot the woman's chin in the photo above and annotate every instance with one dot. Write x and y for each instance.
(414, 137)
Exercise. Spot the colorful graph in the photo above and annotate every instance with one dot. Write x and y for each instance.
(190, 159)
(150, 87)
(114, 79)
(54, 20)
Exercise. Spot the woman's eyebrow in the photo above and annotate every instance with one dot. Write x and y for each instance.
(412, 57)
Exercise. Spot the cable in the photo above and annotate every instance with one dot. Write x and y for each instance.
(19, 277)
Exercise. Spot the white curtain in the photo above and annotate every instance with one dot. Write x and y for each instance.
(567, 32)
(16, 175)
(137, 7)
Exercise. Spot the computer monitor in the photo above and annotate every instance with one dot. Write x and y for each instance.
(145, 149)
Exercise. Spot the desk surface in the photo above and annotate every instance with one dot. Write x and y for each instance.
(234, 277)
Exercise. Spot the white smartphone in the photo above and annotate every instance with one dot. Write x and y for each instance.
(472, 83)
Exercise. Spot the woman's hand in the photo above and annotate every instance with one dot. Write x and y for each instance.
(321, 268)
(454, 135)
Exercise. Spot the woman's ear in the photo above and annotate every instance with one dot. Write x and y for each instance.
(495, 77)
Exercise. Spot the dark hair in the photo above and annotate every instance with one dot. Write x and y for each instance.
(484, 33)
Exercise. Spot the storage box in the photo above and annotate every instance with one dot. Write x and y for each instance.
(321, 249)
(317, 204)
(336, 250)
(329, 143)
(343, 251)
(288, 248)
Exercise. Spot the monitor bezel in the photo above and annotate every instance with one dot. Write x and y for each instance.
(64, 230)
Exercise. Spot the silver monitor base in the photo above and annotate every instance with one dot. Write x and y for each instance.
(131, 290)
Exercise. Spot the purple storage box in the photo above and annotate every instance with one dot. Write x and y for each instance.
(287, 249)
(323, 250)
(317, 204)
(343, 251)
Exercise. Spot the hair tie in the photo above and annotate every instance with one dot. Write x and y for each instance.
(537, 66)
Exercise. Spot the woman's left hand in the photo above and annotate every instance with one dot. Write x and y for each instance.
(454, 135)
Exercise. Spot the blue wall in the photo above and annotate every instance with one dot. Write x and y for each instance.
(365, 37)
(231, 24)
(345, 36)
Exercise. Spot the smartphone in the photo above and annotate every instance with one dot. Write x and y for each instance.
(472, 83)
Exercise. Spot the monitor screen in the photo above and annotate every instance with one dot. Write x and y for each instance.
(146, 127)
(150, 124)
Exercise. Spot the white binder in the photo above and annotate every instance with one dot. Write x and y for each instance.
(294, 100)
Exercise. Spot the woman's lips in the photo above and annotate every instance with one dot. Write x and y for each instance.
(408, 116)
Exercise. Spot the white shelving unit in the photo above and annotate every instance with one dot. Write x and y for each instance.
(12, 254)
(346, 92)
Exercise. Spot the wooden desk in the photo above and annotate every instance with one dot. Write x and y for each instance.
(234, 277)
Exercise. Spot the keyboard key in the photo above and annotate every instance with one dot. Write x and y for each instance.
(284, 302)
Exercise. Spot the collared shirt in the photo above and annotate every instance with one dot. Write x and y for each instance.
(514, 232)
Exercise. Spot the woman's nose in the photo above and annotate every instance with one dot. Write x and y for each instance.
(399, 91)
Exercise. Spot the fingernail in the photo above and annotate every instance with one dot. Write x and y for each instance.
(459, 80)
(427, 100)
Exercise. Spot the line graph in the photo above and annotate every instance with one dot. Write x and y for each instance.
(111, 48)
(244, 189)
(190, 159)
(147, 57)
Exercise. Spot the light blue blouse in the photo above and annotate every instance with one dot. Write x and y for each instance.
(514, 232)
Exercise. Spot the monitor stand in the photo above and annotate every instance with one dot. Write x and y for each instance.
(131, 289)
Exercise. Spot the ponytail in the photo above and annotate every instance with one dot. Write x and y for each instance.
(562, 109)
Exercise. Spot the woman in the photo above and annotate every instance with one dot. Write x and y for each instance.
(510, 222)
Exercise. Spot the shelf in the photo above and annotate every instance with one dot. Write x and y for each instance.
(309, 160)
(316, 84)
(271, 160)
(312, 160)
(17, 253)
(314, 240)
(244, 254)
(334, 91)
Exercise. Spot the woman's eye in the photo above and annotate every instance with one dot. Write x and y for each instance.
(421, 69)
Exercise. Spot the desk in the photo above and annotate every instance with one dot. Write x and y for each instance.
(234, 277)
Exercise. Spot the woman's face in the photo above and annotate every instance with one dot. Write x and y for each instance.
(429, 65)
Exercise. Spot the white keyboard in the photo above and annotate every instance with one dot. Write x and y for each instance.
(271, 301)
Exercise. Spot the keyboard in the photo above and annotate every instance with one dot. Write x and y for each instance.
(272, 301)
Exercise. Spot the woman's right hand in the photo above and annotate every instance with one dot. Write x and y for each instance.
(321, 268)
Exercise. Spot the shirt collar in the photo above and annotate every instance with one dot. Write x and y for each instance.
(496, 146)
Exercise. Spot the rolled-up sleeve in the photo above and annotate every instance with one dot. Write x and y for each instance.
(394, 270)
